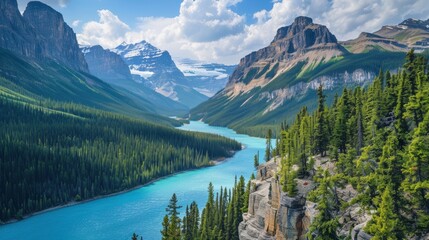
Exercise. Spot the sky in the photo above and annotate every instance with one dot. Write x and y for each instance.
(222, 31)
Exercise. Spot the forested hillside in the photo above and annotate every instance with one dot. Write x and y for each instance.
(219, 219)
(378, 141)
(52, 153)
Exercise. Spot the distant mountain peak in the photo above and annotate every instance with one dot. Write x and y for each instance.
(303, 33)
(157, 70)
(416, 23)
(57, 40)
(303, 21)
(302, 42)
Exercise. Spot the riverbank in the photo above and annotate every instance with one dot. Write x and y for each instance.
(212, 163)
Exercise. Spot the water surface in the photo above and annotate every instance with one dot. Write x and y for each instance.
(140, 211)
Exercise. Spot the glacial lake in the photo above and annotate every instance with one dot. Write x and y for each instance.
(141, 210)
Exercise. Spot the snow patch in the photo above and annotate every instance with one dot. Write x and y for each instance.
(143, 74)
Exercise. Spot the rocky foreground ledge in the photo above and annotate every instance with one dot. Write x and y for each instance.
(272, 214)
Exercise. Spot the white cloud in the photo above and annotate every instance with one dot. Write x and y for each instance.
(208, 20)
(109, 31)
(76, 23)
(211, 31)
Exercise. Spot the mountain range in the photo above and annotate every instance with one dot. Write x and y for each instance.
(267, 86)
(272, 84)
(156, 69)
(40, 59)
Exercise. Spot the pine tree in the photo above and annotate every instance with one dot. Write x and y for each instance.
(325, 223)
(191, 222)
(321, 132)
(268, 147)
(416, 170)
(401, 125)
(165, 225)
(173, 229)
(340, 129)
(389, 171)
(384, 224)
(359, 122)
(256, 161)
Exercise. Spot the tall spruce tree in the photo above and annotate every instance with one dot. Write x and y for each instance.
(268, 146)
(321, 133)
(385, 223)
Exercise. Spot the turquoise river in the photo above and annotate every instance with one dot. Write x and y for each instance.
(141, 210)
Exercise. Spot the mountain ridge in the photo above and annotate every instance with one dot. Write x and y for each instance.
(111, 68)
(156, 69)
(272, 84)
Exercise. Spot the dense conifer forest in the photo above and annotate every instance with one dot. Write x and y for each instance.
(219, 219)
(378, 139)
(52, 153)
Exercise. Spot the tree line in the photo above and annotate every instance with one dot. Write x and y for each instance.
(218, 220)
(52, 153)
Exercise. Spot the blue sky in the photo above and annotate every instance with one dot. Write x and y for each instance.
(222, 30)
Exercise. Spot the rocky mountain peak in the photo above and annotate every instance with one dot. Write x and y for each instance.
(56, 39)
(106, 65)
(301, 42)
(302, 34)
(368, 35)
(303, 21)
(16, 34)
(415, 23)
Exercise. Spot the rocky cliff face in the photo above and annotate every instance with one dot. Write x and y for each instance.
(106, 65)
(56, 40)
(273, 214)
(301, 41)
(150, 63)
(156, 69)
(16, 34)
(411, 33)
(369, 41)
(278, 97)
(272, 84)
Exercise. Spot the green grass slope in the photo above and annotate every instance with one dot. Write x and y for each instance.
(245, 113)
(50, 80)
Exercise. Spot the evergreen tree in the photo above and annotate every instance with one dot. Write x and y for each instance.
(321, 133)
(416, 170)
(268, 147)
(401, 125)
(165, 225)
(173, 229)
(384, 224)
(325, 223)
(256, 161)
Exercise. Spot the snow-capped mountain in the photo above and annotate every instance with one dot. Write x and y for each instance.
(206, 78)
(156, 69)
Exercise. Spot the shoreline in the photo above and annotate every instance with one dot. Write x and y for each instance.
(212, 163)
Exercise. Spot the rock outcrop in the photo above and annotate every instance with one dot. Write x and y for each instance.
(16, 34)
(39, 34)
(369, 41)
(106, 64)
(273, 214)
(302, 40)
(56, 40)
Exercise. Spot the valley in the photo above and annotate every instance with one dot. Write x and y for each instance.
(213, 119)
